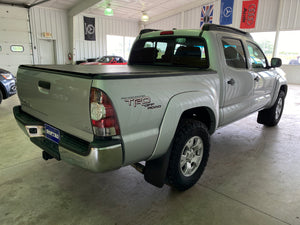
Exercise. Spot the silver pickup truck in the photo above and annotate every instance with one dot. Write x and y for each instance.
(156, 113)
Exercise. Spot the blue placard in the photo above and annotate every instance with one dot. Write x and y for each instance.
(52, 133)
(226, 12)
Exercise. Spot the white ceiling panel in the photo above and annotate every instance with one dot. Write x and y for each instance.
(126, 9)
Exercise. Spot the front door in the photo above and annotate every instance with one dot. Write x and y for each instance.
(264, 76)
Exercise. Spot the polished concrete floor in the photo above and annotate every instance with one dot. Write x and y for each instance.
(253, 177)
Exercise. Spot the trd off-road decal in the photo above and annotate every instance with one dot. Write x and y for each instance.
(141, 100)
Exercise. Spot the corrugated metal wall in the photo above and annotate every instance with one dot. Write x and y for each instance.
(104, 26)
(55, 22)
(266, 19)
(291, 15)
(168, 23)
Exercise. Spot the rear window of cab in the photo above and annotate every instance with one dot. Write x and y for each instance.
(175, 51)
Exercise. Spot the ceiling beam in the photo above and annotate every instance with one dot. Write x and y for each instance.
(22, 5)
(35, 3)
(81, 6)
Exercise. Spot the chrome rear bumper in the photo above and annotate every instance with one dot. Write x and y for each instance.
(99, 159)
(97, 156)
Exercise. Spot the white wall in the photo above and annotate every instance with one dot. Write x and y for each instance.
(104, 26)
(291, 15)
(167, 23)
(55, 22)
(292, 73)
(266, 19)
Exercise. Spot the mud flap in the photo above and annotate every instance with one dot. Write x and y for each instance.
(156, 170)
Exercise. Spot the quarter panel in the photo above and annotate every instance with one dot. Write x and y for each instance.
(141, 105)
(207, 96)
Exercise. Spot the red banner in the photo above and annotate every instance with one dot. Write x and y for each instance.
(249, 14)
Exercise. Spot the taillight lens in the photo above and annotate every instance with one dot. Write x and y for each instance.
(103, 116)
(170, 32)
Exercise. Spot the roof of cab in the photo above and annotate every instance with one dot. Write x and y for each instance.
(148, 33)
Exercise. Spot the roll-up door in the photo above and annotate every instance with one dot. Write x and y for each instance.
(15, 47)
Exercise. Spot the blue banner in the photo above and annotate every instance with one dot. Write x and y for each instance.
(226, 12)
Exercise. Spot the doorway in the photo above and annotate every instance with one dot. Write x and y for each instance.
(47, 52)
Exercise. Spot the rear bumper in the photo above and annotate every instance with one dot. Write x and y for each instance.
(97, 156)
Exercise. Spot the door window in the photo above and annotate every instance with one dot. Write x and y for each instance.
(234, 53)
(257, 57)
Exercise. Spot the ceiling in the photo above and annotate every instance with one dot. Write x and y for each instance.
(126, 9)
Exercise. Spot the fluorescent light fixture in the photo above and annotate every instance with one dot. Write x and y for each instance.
(108, 11)
(145, 17)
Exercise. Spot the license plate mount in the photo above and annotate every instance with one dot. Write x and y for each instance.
(52, 133)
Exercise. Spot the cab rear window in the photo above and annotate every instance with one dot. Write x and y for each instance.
(175, 51)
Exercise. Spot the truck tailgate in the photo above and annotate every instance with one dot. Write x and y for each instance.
(59, 100)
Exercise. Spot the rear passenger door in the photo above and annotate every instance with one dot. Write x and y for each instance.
(264, 77)
(238, 81)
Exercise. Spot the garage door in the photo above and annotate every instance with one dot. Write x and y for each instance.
(15, 47)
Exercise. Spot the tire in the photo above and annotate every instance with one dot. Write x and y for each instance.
(189, 154)
(271, 117)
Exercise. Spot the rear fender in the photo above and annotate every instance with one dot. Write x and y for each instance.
(177, 105)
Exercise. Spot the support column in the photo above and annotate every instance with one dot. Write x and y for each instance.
(279, 19)
(71, 38)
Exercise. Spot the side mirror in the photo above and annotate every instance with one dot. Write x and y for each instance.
(276, 62)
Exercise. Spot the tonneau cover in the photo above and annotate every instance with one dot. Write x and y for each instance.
(117, 71)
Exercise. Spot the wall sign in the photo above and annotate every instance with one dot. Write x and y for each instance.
(89, 29)
(249, 14)
(226, 12)
(207, 12)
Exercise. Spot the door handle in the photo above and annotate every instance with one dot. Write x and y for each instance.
(257, 78)
(44, 87)
(231, 81)
(44, 84)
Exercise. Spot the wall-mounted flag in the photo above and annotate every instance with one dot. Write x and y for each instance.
(226, 12)
(206, 14)
(89, 29)
(249, 14)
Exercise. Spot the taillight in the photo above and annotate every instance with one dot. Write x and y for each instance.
(169, 32)
(103, 116)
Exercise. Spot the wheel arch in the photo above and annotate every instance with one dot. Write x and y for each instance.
(284, 88)
(202, 114)
(201, 105)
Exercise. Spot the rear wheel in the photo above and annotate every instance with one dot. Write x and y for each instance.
(189, 154)
(271, 117)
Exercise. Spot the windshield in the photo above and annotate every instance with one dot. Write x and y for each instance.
(178, 51)
(105, 59)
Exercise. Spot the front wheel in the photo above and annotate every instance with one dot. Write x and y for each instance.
(189, 154)
(270, 117)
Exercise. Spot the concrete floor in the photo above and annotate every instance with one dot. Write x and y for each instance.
(253, 177)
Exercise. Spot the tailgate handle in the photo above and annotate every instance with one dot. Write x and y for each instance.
(44, 84)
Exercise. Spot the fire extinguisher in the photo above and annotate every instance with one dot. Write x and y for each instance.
(70, 56)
